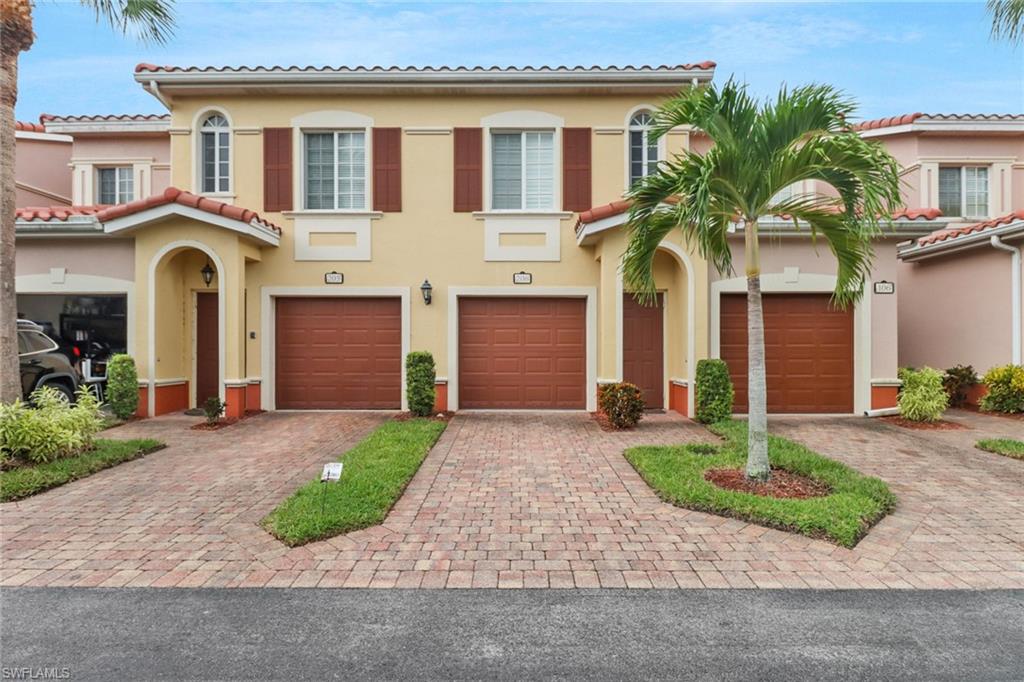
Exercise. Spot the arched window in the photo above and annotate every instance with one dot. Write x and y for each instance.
(215, 149)
(643, 149)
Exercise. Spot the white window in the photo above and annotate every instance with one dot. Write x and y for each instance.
(643, 148)
(215, 141)
(115, 185)
(335, 172)
(963, 191)
(523, 170)
(784, 194)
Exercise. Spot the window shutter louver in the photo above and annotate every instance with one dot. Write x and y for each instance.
(469, 171)
(387, 169)
(576, 169)
(277, 169)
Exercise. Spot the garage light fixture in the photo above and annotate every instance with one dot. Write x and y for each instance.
(207, 273)
(426, 289)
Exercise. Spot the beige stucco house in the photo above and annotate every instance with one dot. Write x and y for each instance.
(320, 223)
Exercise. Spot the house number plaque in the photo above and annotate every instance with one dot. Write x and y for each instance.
(334, 278)
(885, 287)
(522, 278)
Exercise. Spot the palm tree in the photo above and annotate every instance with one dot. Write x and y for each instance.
(1007, 19)
(759, 150)
(153, 21)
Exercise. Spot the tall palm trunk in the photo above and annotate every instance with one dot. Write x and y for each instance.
(10, 382)
(757, 394)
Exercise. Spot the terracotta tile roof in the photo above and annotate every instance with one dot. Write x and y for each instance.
(173, 195)
(100, 118)
(153, 68)
(907, 119)
(57, 213)
(917, 214)
(953, 233)
(29, 127)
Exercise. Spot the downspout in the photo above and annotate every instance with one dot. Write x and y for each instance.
(155, 90)
(882, 412)
(1015, 293)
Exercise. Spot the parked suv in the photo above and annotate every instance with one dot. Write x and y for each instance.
(42, 362)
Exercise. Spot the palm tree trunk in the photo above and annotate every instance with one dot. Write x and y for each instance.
(10, 382)
(757, 398)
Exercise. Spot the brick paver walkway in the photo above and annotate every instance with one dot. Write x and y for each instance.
(514, 500)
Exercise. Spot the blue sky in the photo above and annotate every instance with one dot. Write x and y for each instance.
(892, 57)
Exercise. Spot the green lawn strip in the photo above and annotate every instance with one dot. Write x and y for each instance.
(22, 482)
(856, 503)
(1002, 446)
(375, 473)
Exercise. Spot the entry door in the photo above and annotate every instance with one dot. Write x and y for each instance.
(207, 347)
(643, 349)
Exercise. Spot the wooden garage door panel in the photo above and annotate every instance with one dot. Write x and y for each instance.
(522, 353)
(808, 349)
(338, 353)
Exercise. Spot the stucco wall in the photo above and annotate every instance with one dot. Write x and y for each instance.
(42, 164)
(97, 256)
(955, 310)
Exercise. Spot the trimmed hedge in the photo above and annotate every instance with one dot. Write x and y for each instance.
(122, 386)
(923, 398)
(715, 393)
(623, 404)
(420, 376)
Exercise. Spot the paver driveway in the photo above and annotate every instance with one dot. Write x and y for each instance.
(514, 500)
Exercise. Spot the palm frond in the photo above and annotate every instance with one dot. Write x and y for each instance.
(1007, 19)
(152, 21)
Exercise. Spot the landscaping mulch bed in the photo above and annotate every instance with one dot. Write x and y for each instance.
(783, 484)
(437, 416)
(940, 425)
(225, 422)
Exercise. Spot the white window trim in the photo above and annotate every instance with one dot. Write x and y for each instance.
(268, 302)
(522, 132)
(329, 120)
(523, 121)
(587, 293)
(197, 165)
(129, 169)
(662, 147)
(991, 178)
(367, 170)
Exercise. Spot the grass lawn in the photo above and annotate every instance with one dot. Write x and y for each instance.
(1003, 446)
(856, 502)
(374, 476)
(21, 482)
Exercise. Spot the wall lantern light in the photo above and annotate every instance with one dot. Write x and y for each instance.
(426, 289)
(207, 273)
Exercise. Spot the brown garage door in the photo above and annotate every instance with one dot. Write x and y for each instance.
(808, 352)
(522, 353)
(338, 353)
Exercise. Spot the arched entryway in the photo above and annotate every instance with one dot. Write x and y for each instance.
(186, 327)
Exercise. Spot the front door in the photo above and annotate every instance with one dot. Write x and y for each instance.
(207, 347)
(643, 350)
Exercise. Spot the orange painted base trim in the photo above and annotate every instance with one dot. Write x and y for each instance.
(679, 398)
(884, 396)
(252, 397)
(173, 398)
(976, 393)
(143, 409)
(234, 398)
(441, 396)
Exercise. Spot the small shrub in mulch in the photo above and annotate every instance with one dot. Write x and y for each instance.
(437, 416)
(782, 485)
(940, 425)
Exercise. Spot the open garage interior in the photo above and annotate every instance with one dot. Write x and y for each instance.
(86, 321)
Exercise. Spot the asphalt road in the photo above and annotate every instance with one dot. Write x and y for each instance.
(149, 634)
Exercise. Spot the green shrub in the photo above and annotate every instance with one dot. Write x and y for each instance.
(923, 399)
(1005, 389)
(420, 376)
(957, 381)
(623, 404)
(122, 386)
(714, 391)
(213, 408)
(52, 428)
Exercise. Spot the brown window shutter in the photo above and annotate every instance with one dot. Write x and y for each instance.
(277, 169)
(469, 169)
(387, 169)
(576, 169)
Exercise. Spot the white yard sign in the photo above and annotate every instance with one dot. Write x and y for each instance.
(332, 472)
